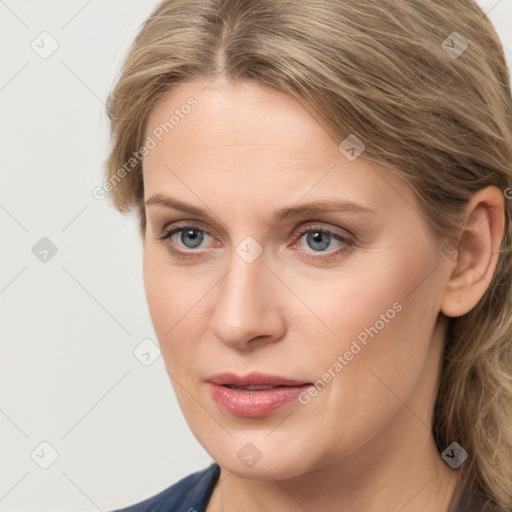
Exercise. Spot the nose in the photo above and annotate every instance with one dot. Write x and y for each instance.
(247, 313)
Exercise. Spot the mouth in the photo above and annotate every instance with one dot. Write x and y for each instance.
(254, 395)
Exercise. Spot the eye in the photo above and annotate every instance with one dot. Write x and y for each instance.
(319, 239)
(191, 237)
(188, 236)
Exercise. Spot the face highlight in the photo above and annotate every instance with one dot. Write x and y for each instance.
(268, 251)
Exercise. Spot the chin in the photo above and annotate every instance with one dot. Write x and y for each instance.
(256, 457)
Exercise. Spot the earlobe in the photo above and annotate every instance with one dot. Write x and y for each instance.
(477, 252)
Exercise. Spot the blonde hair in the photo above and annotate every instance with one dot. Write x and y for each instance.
(424, 85)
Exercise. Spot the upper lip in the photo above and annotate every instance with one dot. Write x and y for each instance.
(253, 379)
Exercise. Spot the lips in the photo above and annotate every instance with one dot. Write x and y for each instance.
(255, 394)
(253, 379)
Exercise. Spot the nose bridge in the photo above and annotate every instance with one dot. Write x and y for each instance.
(244, 309)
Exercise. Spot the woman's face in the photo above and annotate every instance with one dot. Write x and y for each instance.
(268, 276)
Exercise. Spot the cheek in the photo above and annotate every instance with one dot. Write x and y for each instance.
(380, 317)
(164, 294)
(175, 303)
(365, 297)
(160, 293)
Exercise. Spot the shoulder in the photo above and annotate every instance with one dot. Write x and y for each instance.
(190, 494)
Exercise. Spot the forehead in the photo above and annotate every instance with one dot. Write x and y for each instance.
(235, 114)
(251, 141)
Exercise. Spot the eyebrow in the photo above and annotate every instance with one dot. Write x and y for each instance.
(287, 212)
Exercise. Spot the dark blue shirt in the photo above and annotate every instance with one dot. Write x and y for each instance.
(192, 493)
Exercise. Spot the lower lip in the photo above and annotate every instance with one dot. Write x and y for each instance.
(253, 404)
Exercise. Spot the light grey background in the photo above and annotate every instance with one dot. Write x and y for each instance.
(70, 325)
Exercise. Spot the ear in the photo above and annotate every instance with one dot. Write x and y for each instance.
(477, 252)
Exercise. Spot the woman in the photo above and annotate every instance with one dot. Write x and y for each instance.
(323, 192)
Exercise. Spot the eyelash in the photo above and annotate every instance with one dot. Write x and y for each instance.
(169, 231)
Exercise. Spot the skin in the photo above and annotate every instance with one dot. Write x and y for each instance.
(364, 442)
